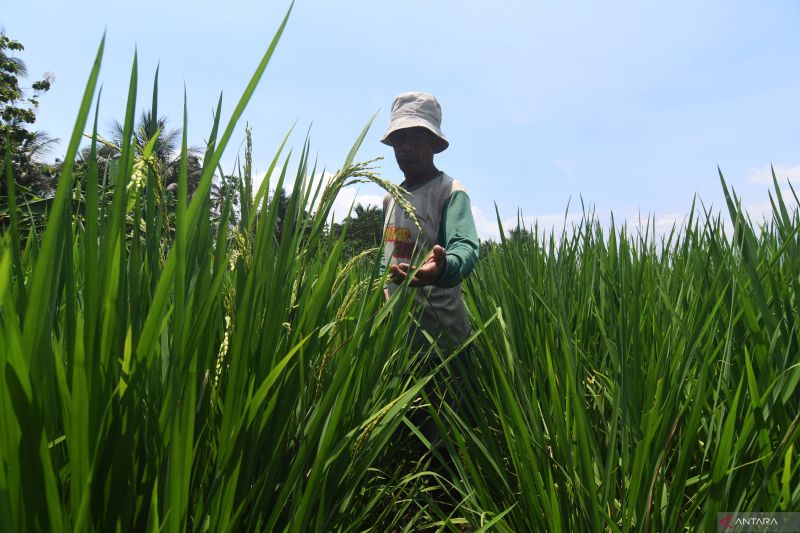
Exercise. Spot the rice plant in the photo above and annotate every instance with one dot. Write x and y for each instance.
(201, 377)
(633, 382)
(168, 366)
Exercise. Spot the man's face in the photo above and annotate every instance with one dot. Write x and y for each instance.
(413, 149)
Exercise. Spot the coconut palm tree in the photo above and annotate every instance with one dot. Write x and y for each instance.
(37, 175)
(166, 150)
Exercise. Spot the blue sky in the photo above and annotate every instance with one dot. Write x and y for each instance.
(629, 105)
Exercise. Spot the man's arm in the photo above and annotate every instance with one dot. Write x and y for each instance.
(454, 259)
(459, 237)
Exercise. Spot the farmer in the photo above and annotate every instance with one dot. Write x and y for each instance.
(444, 247)
(447, 245)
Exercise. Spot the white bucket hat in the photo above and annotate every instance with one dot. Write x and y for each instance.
(410, 110)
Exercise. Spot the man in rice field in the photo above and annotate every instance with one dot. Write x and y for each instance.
(446, 243)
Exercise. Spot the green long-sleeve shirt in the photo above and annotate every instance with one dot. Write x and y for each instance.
(459, 237)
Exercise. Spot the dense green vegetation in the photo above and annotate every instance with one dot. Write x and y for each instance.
(24, 145)
(638, 383)
(168, 366)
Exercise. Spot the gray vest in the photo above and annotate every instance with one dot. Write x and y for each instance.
(443, 315)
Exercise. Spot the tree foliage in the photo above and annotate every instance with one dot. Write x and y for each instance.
(165, 155)
(364, 229)
(18, 107)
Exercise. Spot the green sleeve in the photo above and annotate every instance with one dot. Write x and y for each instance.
(460, 238)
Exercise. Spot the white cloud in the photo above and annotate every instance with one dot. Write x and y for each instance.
(349, 196)
(763, 175)
(487, 227)
(564, 165)
(654, 224)
(555, 223)
(761, 211)
(668, 221)
(258, 179)
(544, 224)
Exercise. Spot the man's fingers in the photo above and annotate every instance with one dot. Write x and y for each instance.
(416, 281)
(398, 273)
(425, 275)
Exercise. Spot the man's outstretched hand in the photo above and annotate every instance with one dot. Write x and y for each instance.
(428, 274)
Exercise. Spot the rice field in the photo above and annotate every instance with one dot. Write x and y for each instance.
(164, 369)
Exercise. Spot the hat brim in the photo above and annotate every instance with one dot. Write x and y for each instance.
(440, 143)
